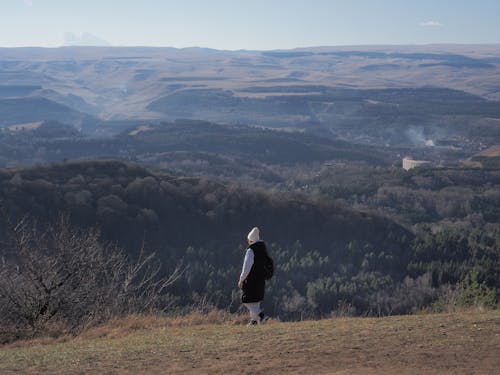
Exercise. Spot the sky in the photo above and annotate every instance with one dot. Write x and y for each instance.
(247, 24)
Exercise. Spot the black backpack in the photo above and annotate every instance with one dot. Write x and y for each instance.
(268, 267)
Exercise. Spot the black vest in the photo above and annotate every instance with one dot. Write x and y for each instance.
(259, 258)
(254, 284)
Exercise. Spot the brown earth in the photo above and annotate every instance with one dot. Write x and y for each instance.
(460, 343)
(491, 152)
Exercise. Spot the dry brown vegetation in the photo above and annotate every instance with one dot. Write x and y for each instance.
(59, 280)
(467, 342)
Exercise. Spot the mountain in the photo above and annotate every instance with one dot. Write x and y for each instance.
(381, 95)
(377, 117)
(22, 110)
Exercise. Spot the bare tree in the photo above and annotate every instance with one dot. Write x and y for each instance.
(66, 274)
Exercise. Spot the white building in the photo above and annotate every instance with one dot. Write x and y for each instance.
(409, 163)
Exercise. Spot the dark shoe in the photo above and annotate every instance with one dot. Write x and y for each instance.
(252, 323)
(263, 318)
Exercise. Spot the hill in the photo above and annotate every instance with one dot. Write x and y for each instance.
(460, 343)
(329, 253)
(245, 149)
(204, 223)
(384, 95)
(489, 158)
(125, 199)
(247, 143)
(389, 116)
(32, 109)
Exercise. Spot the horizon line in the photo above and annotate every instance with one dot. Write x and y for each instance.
(251, 49)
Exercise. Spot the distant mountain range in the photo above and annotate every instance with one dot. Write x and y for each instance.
(385, 96)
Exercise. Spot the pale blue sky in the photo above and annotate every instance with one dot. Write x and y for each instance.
(250, 24)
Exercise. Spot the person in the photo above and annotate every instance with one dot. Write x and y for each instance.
(252, 280)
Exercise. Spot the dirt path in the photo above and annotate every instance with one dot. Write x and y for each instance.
(467, 343)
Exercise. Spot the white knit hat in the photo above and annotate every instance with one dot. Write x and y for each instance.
(253, 236)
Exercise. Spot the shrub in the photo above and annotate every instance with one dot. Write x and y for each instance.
(66, 275)
(475, 293)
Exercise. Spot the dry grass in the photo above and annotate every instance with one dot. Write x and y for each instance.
(493, 151)
(460, 343)
(125, 326)
(26, 126)
(120, 327)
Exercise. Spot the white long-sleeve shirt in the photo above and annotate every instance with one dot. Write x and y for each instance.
(247, 264)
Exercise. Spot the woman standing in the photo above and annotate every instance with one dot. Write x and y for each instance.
(252, 279)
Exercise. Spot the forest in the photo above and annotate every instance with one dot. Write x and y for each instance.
(367, 241)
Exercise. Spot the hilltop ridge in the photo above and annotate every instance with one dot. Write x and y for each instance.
(459, 343)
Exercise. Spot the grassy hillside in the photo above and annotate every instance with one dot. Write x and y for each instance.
(461, 343)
